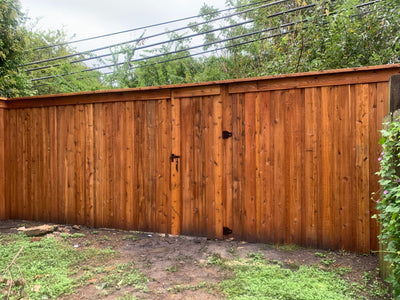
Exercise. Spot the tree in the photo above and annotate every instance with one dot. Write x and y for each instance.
(78, 79)
(13, 82)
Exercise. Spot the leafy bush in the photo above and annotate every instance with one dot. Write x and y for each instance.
(389, 202)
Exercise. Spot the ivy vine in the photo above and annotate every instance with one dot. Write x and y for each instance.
(389, 202)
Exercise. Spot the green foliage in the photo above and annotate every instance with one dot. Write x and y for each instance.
(13, 38)
(292, 36)
(78, 81)
(389, 202)
(47, 265)
(124, 275)
(259, 280)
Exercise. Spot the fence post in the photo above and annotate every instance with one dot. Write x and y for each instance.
(3, 214)
(394, 93)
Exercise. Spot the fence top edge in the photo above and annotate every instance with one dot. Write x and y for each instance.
(167, 88)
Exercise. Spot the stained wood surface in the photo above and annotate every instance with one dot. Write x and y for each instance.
(299, 168)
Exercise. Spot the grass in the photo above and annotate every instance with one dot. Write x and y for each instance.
(47, 265)
(254, 279)
(257, 278)
(53, 268)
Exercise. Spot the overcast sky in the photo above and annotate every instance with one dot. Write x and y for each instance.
(86, 18)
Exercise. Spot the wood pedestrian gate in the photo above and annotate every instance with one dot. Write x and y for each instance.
(279, 159)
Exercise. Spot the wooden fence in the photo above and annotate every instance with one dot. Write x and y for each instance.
(299, 166)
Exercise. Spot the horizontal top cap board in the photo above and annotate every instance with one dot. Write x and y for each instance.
(275, 82)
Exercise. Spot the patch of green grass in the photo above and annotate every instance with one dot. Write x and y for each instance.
(106, 238)
(47, 265)
(255, 256)
(131, 237)
(215, 259)
(328, 261)
(190, 287)
(287, 248)
(319, 254)
(124, 275)
(77, 235)
(261, 280)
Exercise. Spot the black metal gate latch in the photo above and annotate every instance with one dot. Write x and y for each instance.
(173, 157)
(226, 134)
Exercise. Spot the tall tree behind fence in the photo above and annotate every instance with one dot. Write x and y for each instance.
(281, 159)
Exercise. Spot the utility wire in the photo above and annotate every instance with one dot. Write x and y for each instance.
(146, 27)
(174, 52)
(144, 47)
(195, 47)
(154, 35)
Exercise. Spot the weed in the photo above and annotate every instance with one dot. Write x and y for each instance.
(328, 261)
(94, 232)
(187, 287)
(255, 256)
(342, 270)
(65, 235)
(106, 238)
(172, 269)
(77, 235)
(287, 248)
(131, 237)
(319, 254)
(232, 251)
(215, 259)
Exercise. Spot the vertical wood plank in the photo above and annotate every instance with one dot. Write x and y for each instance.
(227, 157)
(61, 161)
(23, 159)
(176, 201)
(190, 210)
(53, 164)
(264, 183)
(89, 166)
(279, 192)
(362, 169)
(326, 217)
(218, 160)
(119, 204)
(129, 163)
(79, 159)
(209, 192)
(250, 167)
(99, 169)
(237, 165)
(311, 162)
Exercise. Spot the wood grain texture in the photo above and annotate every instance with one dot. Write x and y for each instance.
(3, 213)
(299, 168)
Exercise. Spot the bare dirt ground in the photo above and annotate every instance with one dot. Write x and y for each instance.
(176, 264)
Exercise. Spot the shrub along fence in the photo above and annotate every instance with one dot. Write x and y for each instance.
(279, 159)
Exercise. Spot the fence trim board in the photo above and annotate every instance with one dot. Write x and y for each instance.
(297, 166)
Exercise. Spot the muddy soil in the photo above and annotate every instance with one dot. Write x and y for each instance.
(178, 265)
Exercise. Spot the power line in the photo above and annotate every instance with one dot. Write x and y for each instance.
(174, 52)
(151, 36)
(146, 27)
(144, 47)
(198, 46)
